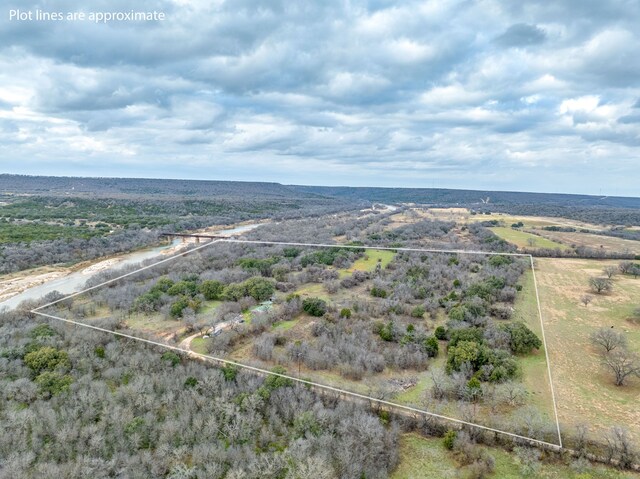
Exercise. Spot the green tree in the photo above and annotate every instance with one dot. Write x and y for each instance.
(51, 383)
(260, 289)
(211, 289)
(522, 339)
(464, 352)
(449, 439)
(314, 306)
(430, 346)
(46, 359)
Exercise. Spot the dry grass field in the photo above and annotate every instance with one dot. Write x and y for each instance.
(584, 388)
(606, 243)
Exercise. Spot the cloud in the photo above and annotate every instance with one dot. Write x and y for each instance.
(521, 35)
(417, 93)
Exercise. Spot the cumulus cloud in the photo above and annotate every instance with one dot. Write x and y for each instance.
(419, 93)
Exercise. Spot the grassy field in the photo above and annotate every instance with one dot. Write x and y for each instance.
(521, 238)
(605, 243)
(369, 261)
(422, 457)
(584, 389)
(535, 375)
(199, 345)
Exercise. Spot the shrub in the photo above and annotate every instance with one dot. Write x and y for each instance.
(449, 439)
(314, 306)
(378, 292)
(345, 313)
(441, 333)
(190, 382)
(229, 372)
(388, 332)
(42, 331)
(171, 357)
(418, 311)
(430, 346)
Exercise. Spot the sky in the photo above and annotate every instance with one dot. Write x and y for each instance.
(498, 95)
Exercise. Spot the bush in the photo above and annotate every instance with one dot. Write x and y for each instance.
(431, 346)
(522, 339)
(190, 382)
(377, 292)
(42, 331)
(441, 333)
(171, 357)
(418, 312)
(314, 306)
(449, 439)
(345, 313)
(229, 372)
(387, 331)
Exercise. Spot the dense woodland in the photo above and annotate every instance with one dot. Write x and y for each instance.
(76, 403)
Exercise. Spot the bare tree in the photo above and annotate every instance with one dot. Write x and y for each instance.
(623, 364)
(609, 271)
(608, 339)
(586, 299)
(625, 267)
(600, 285)
(619, 447)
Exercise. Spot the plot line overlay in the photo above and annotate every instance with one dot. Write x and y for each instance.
(405, 409)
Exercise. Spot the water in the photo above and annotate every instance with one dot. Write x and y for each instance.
(75, 281)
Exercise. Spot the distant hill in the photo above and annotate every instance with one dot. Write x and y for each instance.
(131, 187)
(468, 197)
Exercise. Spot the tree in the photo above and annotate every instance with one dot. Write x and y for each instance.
(46, 359)
(586, 299)
(609, 271)
(608, 339)
(625, 267)
(623, 364)
(211, 289)
(449, 439)
(314, 306)
(260, 289)
(522, 339)
(441, 333)
(600, 285)
(52, 383)
(430, 346)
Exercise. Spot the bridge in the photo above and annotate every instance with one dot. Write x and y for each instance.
(198, 237)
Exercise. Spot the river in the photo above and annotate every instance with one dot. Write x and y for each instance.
(76, 280)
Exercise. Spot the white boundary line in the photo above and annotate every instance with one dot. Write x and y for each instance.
(311, 383)
(546, 350)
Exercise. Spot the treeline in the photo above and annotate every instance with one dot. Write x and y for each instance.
(16, 257)
(604, 215)
(76, 403)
